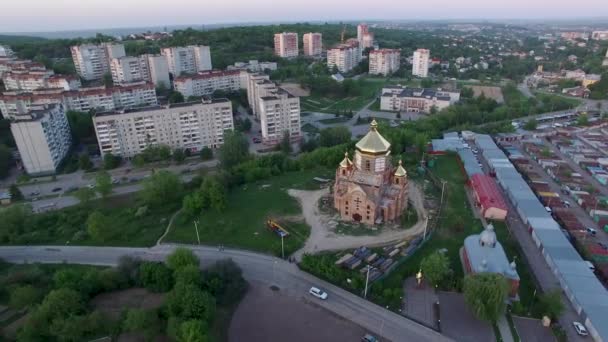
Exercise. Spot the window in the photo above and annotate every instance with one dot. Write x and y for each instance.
(368, 165)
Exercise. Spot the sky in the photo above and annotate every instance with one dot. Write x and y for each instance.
(60, 15)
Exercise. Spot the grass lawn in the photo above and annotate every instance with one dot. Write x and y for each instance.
(243, 223)
(68, 225)
(315, 103)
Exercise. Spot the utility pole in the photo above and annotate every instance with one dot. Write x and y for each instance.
(197, 236)
(366, 282)
(442, 191)
(282, 248)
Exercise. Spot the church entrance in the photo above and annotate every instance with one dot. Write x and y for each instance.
(357, 217)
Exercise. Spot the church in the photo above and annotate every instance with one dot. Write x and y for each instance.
(370, 190)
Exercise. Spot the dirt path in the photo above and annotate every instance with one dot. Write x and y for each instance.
(160, 239)
(322, 238)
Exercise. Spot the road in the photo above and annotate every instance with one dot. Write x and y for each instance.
(256, 267)
(543, 275)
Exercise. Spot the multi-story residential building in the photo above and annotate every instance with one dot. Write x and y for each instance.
(345, 56)
(32, 80)
(15, 103)
(286, 44)
(191, 126)
(93, 61)
(187, 60)
(362, 29)
(148, 68)
(599, 35)
(313, 44)
(571, 35)
(254, 66)
(6, 51)
(257, 84)
(43, 138)
(420, 64)
(605, 62)
(279, 115)
(8, 64)
(384, 61)
(364, 37)
(401, 98)
(206, 82)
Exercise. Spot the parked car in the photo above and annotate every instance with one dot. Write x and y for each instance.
(257, 140)
(35, 193)
(591, 230)
(580, 329)
(56, 189)
(369, 338)
(590, 265)
(318, 293)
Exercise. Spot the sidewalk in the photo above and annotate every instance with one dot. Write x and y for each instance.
(503, 327)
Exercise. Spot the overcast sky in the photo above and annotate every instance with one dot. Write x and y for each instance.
(57, 15)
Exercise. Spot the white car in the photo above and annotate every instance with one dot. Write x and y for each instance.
(318, 293)
(580, 329)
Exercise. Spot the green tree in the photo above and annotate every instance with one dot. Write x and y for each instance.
(485, 294)
(188, 274)
(285, 145)
(333, 136)
(192, 205)
(435, 268)
(142, 321)
(188, 301)
(182, 257)
(531, 124)
(100, 228)
(110, 161)
(81, 126)
(103, 184)
(139, 160)
(582, 120)
(212, 194)
(551, 304)
(178, 155)
(162, 188)
(84, 162)
(16, 194)
(234, 151)
(84, 195)
(155, 276)
(176, 97)
(194, 330)
(206, 153)
(23, 297)
(107, 80)
(6, 160)
(224, 280)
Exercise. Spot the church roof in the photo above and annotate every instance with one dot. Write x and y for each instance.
(373, 142)
(400, 172)
(346, 162)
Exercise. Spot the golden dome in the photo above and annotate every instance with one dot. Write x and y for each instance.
(400, 172)
(346, 162)
(373, 142)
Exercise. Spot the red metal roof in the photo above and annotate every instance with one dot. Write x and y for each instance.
(487, 191)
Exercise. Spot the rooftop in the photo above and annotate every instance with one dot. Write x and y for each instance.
(373, 142)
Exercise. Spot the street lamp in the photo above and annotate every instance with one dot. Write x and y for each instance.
(197, 236)
(366, 282)
(282, 247)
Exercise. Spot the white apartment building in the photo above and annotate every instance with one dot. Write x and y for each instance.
(43, 139)
(599, 35)
(254, 66)
(8, 64)
(420, 63)
(364, 37)
(93, 61)
(191, 126)
(286, 44)
(148, 68)
(5, 51)
(258, 85)
(605, 62)
(279, 113)
(33, 80)
(384, 61)
(345, 56)
(206, 82)
(401, 98)
(15, 103)
(362, 29)
(313, 44)
(187, 60)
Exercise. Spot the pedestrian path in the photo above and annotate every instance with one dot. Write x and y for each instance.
(505, 331)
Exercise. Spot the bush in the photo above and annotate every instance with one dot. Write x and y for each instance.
(155, 276)
(182, 257)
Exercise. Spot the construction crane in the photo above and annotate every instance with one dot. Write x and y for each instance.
(343, 33)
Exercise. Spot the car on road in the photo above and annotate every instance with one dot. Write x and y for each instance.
(591, 231)
(580, 329)
(35, 193)
(315, 291)
(56, 189)
(256, 140)
(369, 338)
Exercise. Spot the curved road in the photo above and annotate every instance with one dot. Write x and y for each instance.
(256, 267)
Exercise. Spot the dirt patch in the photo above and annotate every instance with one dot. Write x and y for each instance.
(113, 303)
(295, 89)
(323, 233)
(494, 93)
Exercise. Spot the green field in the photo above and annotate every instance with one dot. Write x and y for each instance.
(315, 103)
(243, 223)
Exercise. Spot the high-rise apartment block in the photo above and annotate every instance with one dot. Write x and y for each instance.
(187, 60)
(43, 138)
(16, 103)
(364, 37)
(420, 64)
(277, 109)
(148, 68)
(286, 44)
(599, 35)
(313, 44)
(33, 80)
(605, 62)
(384, 61)
(93, 61)
(345, 56)
(191, 126)
(206, 82)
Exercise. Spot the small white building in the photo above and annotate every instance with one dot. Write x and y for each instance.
(402, 98)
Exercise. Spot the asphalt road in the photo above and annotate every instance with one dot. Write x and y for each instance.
(256, 267)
